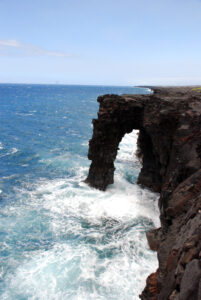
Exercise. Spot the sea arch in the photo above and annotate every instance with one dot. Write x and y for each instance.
(117, 116)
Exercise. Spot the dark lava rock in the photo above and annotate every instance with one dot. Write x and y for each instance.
(169, 146)
(189, 283)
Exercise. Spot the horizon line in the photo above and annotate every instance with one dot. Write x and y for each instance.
(104, 85)
(75, 84)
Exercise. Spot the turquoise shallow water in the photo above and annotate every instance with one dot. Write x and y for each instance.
(60, 239)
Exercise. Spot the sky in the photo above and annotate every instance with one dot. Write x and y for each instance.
(100, 42)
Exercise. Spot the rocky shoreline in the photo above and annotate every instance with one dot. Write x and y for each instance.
(169, 146)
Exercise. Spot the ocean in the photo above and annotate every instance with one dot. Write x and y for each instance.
(59, 238)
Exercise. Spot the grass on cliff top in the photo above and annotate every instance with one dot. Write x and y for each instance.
(197, 89)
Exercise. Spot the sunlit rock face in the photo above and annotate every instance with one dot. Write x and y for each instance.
(169, 146)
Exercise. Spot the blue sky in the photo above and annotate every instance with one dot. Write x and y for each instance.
(112, 42)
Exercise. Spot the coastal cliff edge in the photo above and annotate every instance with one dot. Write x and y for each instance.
(169, 146)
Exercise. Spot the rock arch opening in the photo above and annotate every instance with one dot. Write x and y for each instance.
(127, 163)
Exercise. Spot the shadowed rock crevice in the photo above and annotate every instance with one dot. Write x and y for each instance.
(150, 172)
(169, 147)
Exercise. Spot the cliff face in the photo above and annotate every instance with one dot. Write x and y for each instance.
(169, 144)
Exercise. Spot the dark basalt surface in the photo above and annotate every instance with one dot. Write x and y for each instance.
(169, 145)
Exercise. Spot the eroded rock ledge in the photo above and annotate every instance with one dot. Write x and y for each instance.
(169, 143)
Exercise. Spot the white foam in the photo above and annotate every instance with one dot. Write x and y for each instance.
(25, 114)
(128, 148)
(97, 248)
(10, 152)
(14, 150)
(1, 146)
(9, 177)
(149, 90)
(85, 144)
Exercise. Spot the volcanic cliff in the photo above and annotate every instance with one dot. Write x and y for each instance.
(169, 146)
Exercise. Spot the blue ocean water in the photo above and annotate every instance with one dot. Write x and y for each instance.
(59, 238)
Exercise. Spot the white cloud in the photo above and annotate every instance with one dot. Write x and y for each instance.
(13, 47)
(9, 43)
